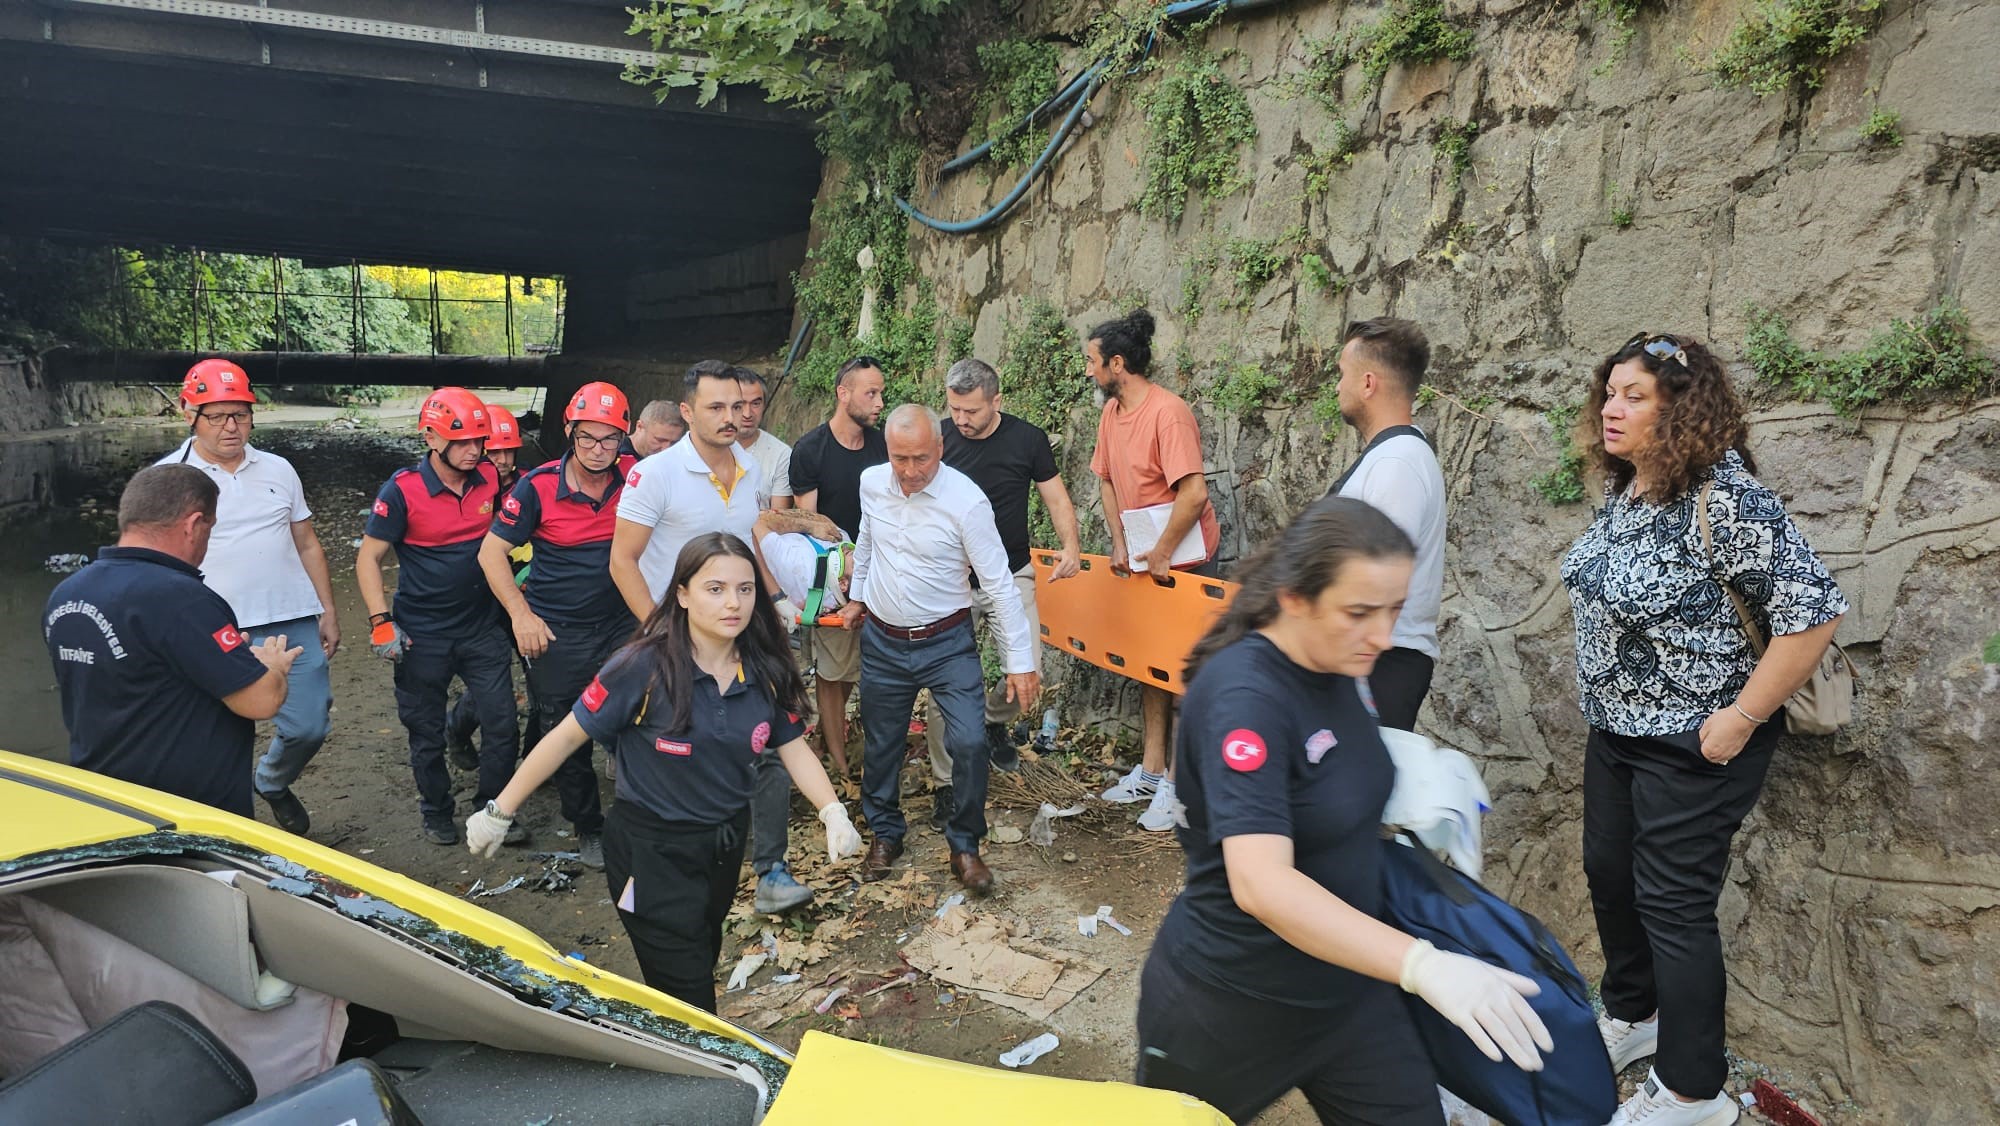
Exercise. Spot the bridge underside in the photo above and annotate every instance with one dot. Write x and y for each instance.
(297, 369)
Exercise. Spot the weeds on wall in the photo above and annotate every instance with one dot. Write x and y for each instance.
(1243, 387)
(1020, 75)
(1452, 142)
(1041, 366)
(1787, 43)
(1991, 654)
(1196, 120)
(1623, 16)
(1883, 129)
(1409, 33)
(1320, 276)
(1563, 483)
(1930, 356)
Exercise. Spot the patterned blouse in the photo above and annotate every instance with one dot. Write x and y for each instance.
(1658, 643)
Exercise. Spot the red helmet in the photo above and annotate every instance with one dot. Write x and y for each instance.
(455, 414)
(506, 431)
(599, 402)
(215, 381)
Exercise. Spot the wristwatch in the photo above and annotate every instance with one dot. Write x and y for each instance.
(493, 811)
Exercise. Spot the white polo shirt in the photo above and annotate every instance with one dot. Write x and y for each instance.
(774, 460)
(252, 561)
(673, 493)
(1402, 478)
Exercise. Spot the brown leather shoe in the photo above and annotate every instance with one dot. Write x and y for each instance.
(972, 872)
(881, 855)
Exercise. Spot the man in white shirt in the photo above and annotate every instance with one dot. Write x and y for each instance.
(773, 457)
(925, 529)
(1382, 363)
(265, 560)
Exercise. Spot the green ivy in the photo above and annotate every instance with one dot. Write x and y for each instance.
(1254, 261)
(1408, 33)
(1321, 276)
(1563, 484)
(1321, 164)
(1929, 356)
(1244, 387)
(1991, 655)
(1020, 75)
(1453, 144)
(1041, 367)
(1786, 43)
(1196, 120)
(1884, 128)
(1623, 16)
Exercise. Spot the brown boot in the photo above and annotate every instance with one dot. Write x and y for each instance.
(972, 872)
(881, 855)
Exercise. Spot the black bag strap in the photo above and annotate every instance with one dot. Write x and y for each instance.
(1385, 435)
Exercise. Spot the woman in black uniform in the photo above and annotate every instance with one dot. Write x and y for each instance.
(1271, 970)
(706, 686)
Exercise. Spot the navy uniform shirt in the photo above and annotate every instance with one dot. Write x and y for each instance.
(1005, 465)
(1267, 747)
(697, 770)
(144, 654)
(440, 590)
(570, 581)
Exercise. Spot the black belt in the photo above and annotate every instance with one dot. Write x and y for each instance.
(920, 632)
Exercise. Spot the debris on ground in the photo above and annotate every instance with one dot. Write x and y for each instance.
(1043, 830)
(983, 954)
(66, 563)
(479, 890)
(1021, 1055)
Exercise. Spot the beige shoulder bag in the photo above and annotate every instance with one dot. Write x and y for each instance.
(1825, 703)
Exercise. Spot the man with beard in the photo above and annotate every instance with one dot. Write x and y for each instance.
(569, 617)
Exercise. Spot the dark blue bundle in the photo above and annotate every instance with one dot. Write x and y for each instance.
(1423, 897)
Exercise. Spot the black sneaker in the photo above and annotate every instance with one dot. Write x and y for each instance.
(517, 833)
(1000, 748)
(288, 811)
(458, 749)
(941, 806)
(441, 832)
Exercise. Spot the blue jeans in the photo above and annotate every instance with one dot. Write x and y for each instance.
(485, 661)
(892, 672)
(306, 716)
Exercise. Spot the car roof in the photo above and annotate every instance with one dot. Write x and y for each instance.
(46, 811)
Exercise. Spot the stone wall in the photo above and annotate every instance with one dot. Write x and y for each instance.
(1863, 941)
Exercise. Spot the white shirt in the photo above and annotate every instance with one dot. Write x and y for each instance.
(915, 555)
(774, 459)
(793, 562)
(673, 493)
(1401, 477)
(253, 561)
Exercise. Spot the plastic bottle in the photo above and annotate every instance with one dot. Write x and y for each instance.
(1046, 740)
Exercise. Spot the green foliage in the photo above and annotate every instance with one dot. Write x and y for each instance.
(1563, 484)
(1417, 31)
(1621, 216)
(1453, 144)
(1196, 119)
(1623, 16)
(1321, 276)
(1884, 127)
(1321, 164)
(1041, 367)
(957, 338)
(1201, 262)
(1020, 75)
(1786, 43)
(1326, 405)
(1244, 387)
(1254, 261)
(1929, 356)
(1991, 654)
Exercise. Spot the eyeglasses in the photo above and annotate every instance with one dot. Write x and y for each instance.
(223, 420)
(1660, 346)
(586, 442)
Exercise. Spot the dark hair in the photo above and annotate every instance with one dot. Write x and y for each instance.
(765, 653)
(1700, 417)
(1130, 336)
(748, 375)
(707, 369)
(858, 363)
(1304, 559)
(160, 495)
(1396, 346)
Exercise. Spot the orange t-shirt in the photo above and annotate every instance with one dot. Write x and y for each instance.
(1142, 452)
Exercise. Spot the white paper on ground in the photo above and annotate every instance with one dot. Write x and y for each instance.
(1024, 1054)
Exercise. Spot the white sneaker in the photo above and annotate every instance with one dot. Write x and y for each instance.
(1165, 810)
(1134, 787)
(1628, 1040)
(1654, 1105)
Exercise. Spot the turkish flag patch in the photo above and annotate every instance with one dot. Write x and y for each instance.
(670, 747)
(593, 696)
(1243, 750)
(381, 507)
(632, 480)
(512, 504)
(228, 638)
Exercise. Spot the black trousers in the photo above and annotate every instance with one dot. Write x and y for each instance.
(1359, 1063)
(1657, 822)
(484, 660)
(1399, 682)
(673, 882)
(555, 680)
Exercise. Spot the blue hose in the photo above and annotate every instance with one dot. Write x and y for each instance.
(965, 226)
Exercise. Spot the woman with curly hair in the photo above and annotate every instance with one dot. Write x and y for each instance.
(1683, 715)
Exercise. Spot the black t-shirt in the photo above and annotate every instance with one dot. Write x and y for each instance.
(144, 654)
(696, 772)
(820, 462)
(1268, 747)
(1005, 465)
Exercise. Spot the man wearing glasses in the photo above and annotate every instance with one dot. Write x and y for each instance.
(266, 562)
(569, 616)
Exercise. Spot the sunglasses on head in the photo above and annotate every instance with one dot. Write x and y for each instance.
(1660, 346)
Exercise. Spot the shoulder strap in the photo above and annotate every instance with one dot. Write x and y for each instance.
(1385, 435)
(1708, 556)
(816, 593)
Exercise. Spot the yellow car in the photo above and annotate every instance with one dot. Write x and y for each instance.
(159, 954)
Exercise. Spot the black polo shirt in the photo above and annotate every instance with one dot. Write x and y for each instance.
(821, 464)
(570, 581)
(1005, 465)
(698, 771)
(440, 590)
(1266, 746)
(144, 654)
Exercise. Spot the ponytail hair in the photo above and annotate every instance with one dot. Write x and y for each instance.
(1130, 336)
(1304, 559)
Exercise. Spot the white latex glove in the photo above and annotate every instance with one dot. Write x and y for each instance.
(842, 841)
(484, 831)
(787, 613)
(1487, 1003)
